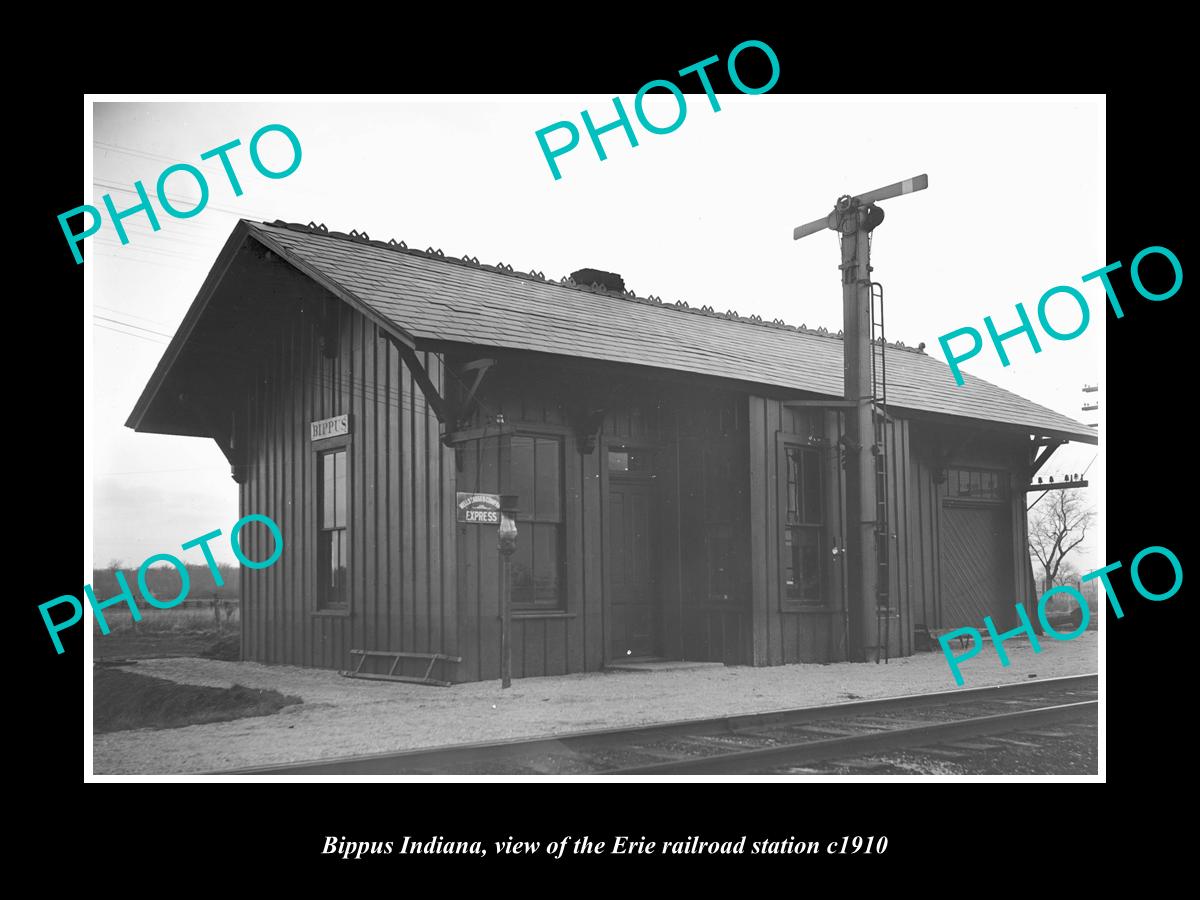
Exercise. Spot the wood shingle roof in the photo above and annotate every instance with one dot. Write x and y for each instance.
(432, 297)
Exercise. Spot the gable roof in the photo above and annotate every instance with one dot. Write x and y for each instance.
(422, 296)
(428, 296)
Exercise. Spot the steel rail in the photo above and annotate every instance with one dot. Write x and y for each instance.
(747, 762)
(457, 757)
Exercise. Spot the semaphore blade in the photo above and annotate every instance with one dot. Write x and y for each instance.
(811, 228)
(895, 190)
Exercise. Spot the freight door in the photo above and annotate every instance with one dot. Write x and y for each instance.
(976, 565)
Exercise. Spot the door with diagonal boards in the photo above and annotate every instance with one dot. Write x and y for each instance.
(976, 566)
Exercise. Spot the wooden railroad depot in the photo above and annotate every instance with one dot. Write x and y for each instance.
(680, 472)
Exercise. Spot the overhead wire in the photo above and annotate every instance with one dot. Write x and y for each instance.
(163, 238)
(182, 201)
(122, 312)
(202, 165)
(127, 334)
(130, 325)
(166, 252)
(127, 257)
(368, 393)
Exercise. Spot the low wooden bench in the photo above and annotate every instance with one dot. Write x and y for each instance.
(930, 637)
(396, 656)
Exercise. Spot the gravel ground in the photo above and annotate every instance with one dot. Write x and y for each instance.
(345, 717)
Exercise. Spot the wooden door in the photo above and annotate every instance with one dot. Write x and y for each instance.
(631, 586)
(976, 566)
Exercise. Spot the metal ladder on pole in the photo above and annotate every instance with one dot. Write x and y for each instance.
(879, 418)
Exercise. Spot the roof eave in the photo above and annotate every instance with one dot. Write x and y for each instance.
(1082, 437)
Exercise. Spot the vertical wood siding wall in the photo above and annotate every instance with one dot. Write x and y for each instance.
(705, 484)
(783, 635)
(575, 639)
(402, 554)
(915, 520)
(419, 582)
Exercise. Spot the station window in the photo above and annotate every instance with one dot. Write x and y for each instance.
(803, 526)
(333, 544)
(976, 484)
(537, 480)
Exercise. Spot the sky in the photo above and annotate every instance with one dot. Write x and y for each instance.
(703, 214)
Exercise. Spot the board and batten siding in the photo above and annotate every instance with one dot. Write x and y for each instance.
(401, 489)
(704, 492)
(819, 634)
(699, 446)
(544, 642)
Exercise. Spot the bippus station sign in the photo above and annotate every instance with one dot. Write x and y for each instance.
(330, 427)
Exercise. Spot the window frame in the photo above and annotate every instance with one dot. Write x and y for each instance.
(819, 453)
(320, 449)
(1003, 493)
(526, 520)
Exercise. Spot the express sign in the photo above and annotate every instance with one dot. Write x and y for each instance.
(478, 509)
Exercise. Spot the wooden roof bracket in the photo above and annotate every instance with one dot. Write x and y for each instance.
(1037, 459)
(587, 420)
(435, 400)
(480, 367)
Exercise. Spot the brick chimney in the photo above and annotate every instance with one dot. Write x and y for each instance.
(611, 280)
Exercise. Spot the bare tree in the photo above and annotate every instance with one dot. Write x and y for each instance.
(1056, 529)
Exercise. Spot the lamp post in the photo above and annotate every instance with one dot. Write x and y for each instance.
(507, 542)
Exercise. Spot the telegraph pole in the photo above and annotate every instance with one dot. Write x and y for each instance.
(1093, 405)
(867, 538)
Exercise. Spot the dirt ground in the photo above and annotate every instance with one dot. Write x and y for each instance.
(125, 700)
(344, 717)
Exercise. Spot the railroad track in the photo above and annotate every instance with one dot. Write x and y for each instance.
(761, 743)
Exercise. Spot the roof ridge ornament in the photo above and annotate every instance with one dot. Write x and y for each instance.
(568, 281)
